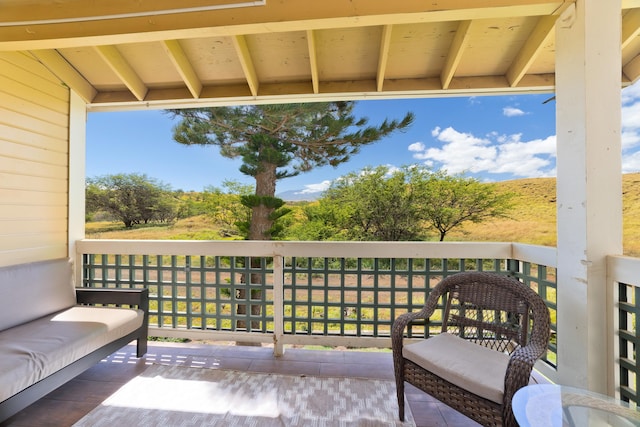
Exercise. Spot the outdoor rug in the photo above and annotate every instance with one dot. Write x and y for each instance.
(187, 396)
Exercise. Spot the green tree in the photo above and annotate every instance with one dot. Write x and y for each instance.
(225, 206)
(276, 142)
(131, 198)
(400, 205)
(317, 221)
(377, 204)
(455, 199)
(280, 141)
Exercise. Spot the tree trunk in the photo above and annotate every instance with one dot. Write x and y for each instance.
(260, 215)
(259, 227)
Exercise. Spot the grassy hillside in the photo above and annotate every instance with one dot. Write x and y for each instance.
(532, 220)
(193, 228)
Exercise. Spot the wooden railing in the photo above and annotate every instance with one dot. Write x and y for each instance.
(338, 293)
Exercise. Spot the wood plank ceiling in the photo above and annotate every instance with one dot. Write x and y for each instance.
(123, 54)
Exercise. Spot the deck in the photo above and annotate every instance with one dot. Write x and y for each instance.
(72, 401)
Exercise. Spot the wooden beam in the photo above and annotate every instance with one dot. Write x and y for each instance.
(630, 26)
(632, 69)
(123, 70)
(313, 60)
(532, 47)
(456, 50)
(184, 67)
(239, 94)
(75, 11)
(384, 56)
(275, 16)
(240, 43)
(59, 66)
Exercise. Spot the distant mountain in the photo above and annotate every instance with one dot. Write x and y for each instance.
(299, 195)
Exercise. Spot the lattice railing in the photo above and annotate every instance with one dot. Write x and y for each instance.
(296, 294)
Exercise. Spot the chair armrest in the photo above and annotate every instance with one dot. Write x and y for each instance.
(519, 369)
(130, 297)
(137, 297)
(399, 326)
(402, 321)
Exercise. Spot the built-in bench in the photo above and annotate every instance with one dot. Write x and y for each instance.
(50, 332)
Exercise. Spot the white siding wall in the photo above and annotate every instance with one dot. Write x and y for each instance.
(34, 159)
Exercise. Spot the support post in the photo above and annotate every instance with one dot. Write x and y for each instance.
(278, 305)
(589, 188)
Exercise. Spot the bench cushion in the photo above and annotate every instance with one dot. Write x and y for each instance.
(30, 291)
(467, 365)
(32, 351)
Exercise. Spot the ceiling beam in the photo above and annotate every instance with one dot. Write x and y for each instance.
(454, 56)
(184, 67)
(59, 66)
(632, 69)
(532, 47)
(123, 70)
(240, 43)
(238, 94)
(383, 57)
(275, 16)
(77, 11)
(313, 60)
(630, 26)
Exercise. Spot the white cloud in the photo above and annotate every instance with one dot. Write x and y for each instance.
(512, 112)
(526, 159)
(630, 128)
(509, 154)
(630, 138)
(417, 146)
(464, 152)
(315, 188)
(631, 163)
(461, 151)
(631, 124)
(631, 93)
(392, 169)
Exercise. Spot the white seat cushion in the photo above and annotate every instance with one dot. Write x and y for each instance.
(469, 366)
(37, 349)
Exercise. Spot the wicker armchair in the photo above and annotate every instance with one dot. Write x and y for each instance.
(494, 329)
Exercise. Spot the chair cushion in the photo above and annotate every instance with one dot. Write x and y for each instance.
(37, 349)
(469, 366)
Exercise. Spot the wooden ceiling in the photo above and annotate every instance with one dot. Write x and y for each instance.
(124, 54)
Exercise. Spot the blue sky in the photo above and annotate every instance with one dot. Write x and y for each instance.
(490, 138)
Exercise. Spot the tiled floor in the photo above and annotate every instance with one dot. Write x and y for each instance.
(72, 401)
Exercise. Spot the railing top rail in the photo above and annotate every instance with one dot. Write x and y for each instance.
(542, 255)
(301, 249)
(623, 269)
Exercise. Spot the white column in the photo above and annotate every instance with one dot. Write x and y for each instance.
(77, 161)
(589, 187)
(278, 305)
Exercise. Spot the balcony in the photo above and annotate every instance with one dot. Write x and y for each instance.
(75, 399)
(43, 153)
(313, 295)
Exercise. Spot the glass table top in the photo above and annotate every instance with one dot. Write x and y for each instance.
(552, 405)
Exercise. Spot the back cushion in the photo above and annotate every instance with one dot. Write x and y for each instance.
(29, 291)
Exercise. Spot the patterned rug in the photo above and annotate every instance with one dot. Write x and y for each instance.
(186, 396)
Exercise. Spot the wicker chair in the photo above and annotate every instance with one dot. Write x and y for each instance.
(494, 329)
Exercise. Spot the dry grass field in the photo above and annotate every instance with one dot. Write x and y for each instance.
(532, 220)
